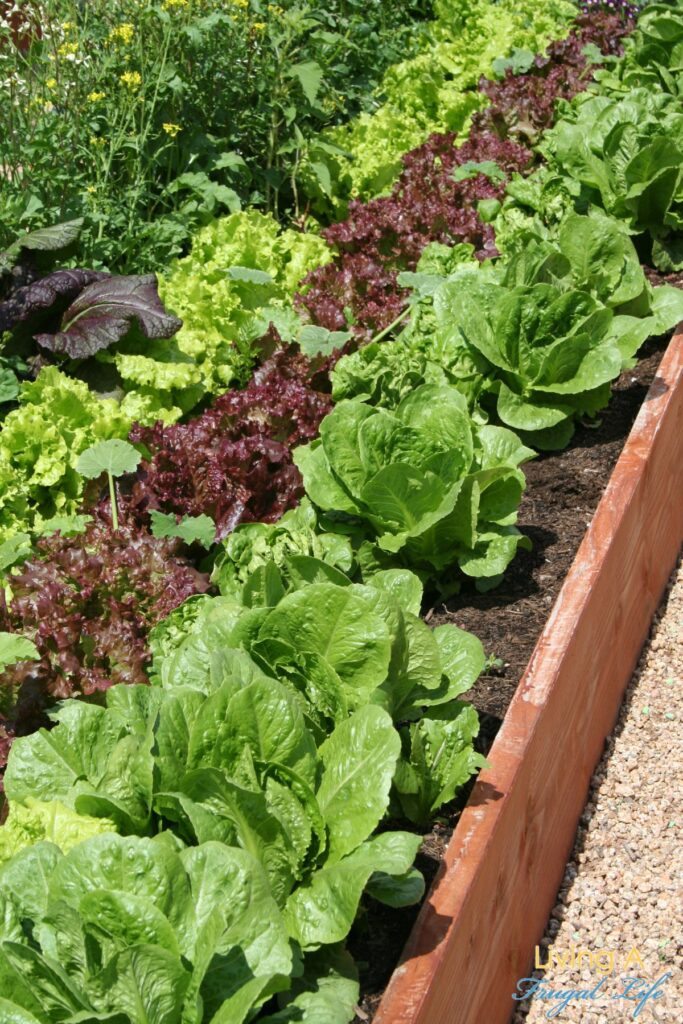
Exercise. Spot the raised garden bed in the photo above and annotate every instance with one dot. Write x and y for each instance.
(497, 881)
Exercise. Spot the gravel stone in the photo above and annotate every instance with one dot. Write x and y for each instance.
(622, 887)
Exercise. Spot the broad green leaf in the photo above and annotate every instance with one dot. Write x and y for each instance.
(310, 75)
(340, 435)
(403, 499)
(233, 882)
(441, 760)
(14, 648)
(493, 552)
(10, 1013)
(118, 920)
(263, 716)
(335, 623)
(68, 526)
(323, 911)
(49, 239)
(326, 994)
(402, 585)
(365, 746)
(523, 414)
(322, 487)
(255, 828)
(146, 982)
(114, 456)
(192, 529)
(48, 765)
(397, 890)
(462, 657)
(15, 549)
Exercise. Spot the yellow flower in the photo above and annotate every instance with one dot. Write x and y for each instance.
(241, 3)
(123, 33)
(68, 50)
(51, 83)
(170, 4)
(91, 189)
(275, 9)
(95, 97)
(171, 129)
(133, 79)
(68, 26)
(97, 142)
(259, 26)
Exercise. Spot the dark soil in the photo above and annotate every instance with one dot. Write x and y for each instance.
(563, 491)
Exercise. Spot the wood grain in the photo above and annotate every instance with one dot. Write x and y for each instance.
(488, 907)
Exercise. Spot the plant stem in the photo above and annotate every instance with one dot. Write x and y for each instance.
(394, 323)
(112, 499)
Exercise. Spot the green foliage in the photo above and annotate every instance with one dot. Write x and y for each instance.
(240, 276)
(249, 547)
(149, 118)
(338, 644)
(130, 929)
(422, 484)
(15, 648)
(438, 760)
(113, 457)
(232, 767)
(190, 529)
(435, 91)
(37, 821)
(39, 451)
(627, 157)
(535, 340)
(618, 148)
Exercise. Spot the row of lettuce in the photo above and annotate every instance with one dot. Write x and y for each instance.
(191, 848)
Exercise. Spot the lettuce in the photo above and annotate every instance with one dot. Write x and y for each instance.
(435, 91)
(129, 929)
(425, 487)
(300, 621)
(239, 277)
(236, 767)
(626, 155)
(37, 821)
(534, 340)
(58, 417)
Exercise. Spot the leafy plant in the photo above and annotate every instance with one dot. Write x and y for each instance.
(305, 813)
(250, 546)
(522, 103)
(423, 485)
(38, 451)
(41, 821)
(113, 457)
(430, 202)
(338, 645)
(131, 926)
(435, 91)
(238, 279)
(625, 155)
(233, 462)
(85, 604)
(556, 325)
(151, 119)
(15, 648)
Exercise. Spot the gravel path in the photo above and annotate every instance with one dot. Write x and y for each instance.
(623, 885)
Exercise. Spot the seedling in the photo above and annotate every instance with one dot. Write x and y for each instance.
(112, 457)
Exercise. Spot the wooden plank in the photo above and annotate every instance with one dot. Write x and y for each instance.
(488, 907)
